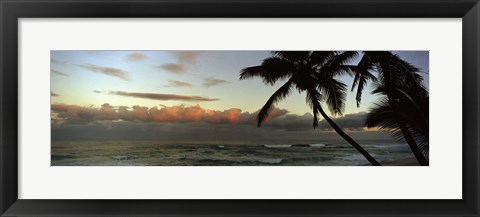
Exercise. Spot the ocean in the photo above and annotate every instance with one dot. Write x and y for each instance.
(152, 153)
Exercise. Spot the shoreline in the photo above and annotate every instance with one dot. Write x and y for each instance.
(401, 162)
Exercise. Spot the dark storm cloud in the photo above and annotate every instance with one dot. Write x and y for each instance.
(160, 96)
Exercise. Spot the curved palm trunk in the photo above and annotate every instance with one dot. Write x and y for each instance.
(403, 128)
(349, 139)
(411, 142)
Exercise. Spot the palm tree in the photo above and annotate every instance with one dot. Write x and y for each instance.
(397, 80)
(314, 73)
(413, 109)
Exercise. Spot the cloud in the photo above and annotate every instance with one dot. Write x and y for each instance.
(55, 61)
(136, 57)
(210, 81)
(159, 96)
(201, 132)
(52, 60)
(54, 71)
(97, 91)
(54, 94)
(194, 124)
(291, 122)
(173, 68)
(119, 73)
(176, 83)
(278, 119)
(74, 114)
(184, 59)
(350, 122)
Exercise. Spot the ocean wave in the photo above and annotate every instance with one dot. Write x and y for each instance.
(360, 157)
(301, 145)
(55, 157)
(271, 161)
(320, 145)
(277, 146)
(390, 146)
(123, 157)
(354, 157)
(245, 162)
(307, 161)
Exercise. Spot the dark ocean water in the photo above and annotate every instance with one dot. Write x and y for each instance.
(151, 153)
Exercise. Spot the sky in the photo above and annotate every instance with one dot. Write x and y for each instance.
(174, 95)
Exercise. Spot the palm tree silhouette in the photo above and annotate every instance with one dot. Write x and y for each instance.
(401, 83)
(413, 109)
(312, 72)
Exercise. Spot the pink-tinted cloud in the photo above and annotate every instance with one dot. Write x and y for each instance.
(55, 61)
(186, 56)
(177, 83)
(173, 68)
(119, 73)
(54, 71)
(74, 114)
(184, 59)
(210, 81)
(136, 57)
(160, 96)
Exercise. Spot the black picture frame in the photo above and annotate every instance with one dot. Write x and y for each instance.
(12, 10)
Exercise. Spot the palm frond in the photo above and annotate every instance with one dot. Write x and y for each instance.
(403, 65)
(271, 70)
(363, 74)
(384, 116)
(334, 93)
(279, 95)
(338, 64)
(293, 56)
(381, 115)
(337, 70)
(401, 72)
(356, 78)
(319, 58)
(410, 101)
(313, 100)
(343, 58)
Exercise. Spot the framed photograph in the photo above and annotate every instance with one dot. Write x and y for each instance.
(228, 108)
